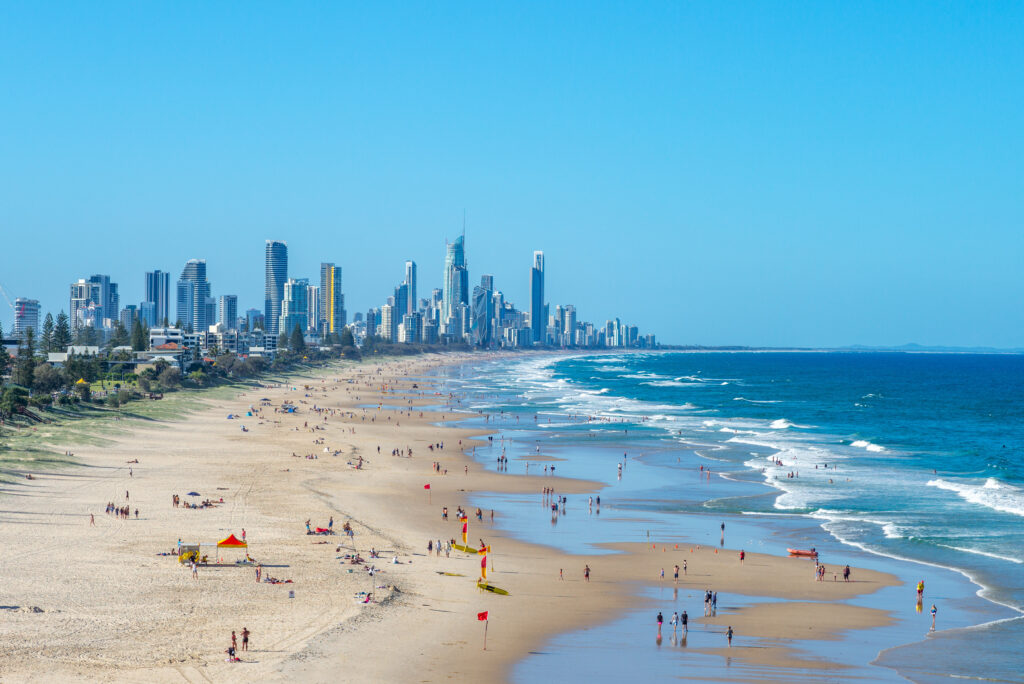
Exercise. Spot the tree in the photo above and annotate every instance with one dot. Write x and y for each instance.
(282, 341)
(46, 340)
(198, 377)
(298, 342)
(5, 358)
(61, 333)
(347, 340)
(170, 377)
(25, 364)
(13, 400)
(120, 337)
(140, 338)
(46, 378)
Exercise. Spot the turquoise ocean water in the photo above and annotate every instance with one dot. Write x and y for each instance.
(915, 457)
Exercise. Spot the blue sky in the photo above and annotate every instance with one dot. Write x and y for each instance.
(717, 173)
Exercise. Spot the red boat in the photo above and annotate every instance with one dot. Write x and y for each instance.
(804, 553)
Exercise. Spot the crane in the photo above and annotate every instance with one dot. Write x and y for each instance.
(9, 302)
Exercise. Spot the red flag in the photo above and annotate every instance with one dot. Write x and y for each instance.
(426, 486)
(481, 616)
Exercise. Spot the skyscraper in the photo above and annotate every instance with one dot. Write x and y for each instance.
(195, 273)
(410, 280)
(186, 302)
(94, 302)
(294, 306)
(158, 286)
(538, 315)
(313, 314)
(277, 274)
(332, 301)
(456, 279)
(26, 317)
(228, 314)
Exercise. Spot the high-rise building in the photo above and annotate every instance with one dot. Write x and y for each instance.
(410, 280)
(401, 306)
(538, 315)
(94, 302)
(313, 308)
(411, 329)
(147, 314)
(186, 302)
(200, 318)
(294, 306)
(483, 301)
(372, 321)
(277, 274)
(387, 322)
(332, 301)
(456, 279)
(227, 314)
(254, 319)
(570, 325)
(26, 317)
(129, 314)
(158, 291)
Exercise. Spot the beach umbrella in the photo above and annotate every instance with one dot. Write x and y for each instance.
(193, 494)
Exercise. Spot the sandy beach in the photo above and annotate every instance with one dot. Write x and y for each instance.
(98, 602)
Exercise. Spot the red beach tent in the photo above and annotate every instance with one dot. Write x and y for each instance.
(231, 542)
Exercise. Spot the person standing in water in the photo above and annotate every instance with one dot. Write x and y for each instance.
(728, 635)
(933, 617)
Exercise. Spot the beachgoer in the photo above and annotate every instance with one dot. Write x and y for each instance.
(234, 640)
(743, 554)
(560, 575)
(684, 619)
(846, 574)
(660, 619)
(92, 519)
(933, 617)
(684, 566)
(586, 573)
(245, 638)
(728, 635)
(675, 573)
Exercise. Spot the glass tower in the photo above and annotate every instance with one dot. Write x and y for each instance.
(277, 274)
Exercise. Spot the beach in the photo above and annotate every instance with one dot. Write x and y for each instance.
(98, 602)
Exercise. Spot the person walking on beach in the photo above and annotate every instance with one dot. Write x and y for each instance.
(728, 635)
(933, 617)
(660, 619)
(245, 638)
(743, 554)
(92, 520)
(561, 577)
(586, 573)
(684, 619)
(234, 640)
(684, 566)
(195, 570)
(846, 574)
(675, 574)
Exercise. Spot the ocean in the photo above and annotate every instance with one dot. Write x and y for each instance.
(904, 457)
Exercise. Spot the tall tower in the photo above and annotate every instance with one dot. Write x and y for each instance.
(410, 280)
(195, 273)
(158, 286)
(538, 317)
(332, 301)
(456, 279)
(277, 274)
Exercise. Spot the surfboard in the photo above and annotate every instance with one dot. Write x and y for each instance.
(491, 588)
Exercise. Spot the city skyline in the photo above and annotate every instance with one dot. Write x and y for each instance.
(482, 315)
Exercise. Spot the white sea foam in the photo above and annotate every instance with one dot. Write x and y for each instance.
(864, 444)
(994, 494)
(670, 383)
(979, 552)
(780, 424)
(756, 401)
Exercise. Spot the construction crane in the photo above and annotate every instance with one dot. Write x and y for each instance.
(9, 302)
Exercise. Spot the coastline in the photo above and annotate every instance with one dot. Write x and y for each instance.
(387, 506)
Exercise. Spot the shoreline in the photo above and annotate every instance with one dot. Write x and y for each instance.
(531, 562)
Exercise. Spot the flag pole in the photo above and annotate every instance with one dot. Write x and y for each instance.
(486, 622)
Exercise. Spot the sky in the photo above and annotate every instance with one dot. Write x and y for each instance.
(785, 174)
